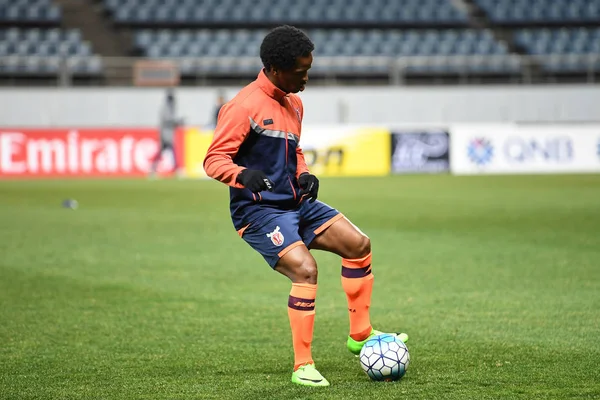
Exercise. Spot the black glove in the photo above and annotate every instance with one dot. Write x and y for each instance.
(309, 184)
(255, 180)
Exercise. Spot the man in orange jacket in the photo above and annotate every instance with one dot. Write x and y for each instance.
(273, 195)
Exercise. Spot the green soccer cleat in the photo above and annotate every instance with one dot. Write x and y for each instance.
(355, 347)
(308, 375)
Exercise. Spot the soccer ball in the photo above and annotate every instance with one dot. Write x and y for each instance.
(384, 358)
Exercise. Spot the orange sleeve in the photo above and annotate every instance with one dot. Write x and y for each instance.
(232, 128)
(301, 162)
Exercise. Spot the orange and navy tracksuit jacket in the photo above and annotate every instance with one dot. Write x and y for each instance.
(258, 129)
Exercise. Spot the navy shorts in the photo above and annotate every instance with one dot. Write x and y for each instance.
(275, 232)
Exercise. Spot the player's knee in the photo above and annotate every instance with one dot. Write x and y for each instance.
(362, 248)
(307, 271)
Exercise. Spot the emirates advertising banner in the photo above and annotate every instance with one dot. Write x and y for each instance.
(524, 149)
(80, 153)
(335, 150)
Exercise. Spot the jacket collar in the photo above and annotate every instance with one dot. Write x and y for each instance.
(268, 87)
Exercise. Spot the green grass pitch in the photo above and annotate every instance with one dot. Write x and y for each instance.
(147, 292)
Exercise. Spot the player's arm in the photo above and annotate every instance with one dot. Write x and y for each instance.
(301, 161)
(309, 184)
(232, 129)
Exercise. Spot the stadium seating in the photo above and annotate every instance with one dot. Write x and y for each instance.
(367, 30)
(580, 45)
(261, 12)
(366, 43)
(40, 50)
(572, 48)
(35, 12)
(532, 12)
(352, 37)
(32, 44)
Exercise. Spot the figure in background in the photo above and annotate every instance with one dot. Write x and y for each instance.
(169, 122)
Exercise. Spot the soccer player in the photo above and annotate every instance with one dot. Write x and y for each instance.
(273, 195)
(168, 126)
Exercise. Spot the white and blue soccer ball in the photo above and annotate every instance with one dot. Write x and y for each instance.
(384, 358)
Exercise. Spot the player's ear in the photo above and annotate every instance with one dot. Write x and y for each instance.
(275, 71)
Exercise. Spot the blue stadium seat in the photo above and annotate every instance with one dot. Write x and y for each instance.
(333, 43)
(562, 50)
(315, 11)
(37, 50)
(541, 11)
(18, 12)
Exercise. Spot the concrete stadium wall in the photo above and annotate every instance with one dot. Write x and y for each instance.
(91, 107)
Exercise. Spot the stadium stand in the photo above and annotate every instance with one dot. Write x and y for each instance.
(563, 36)
(541, 12)
(321, 13)
(29, 12)
(40, 51)
(33, 45)
(422, 40)
(572, 49)
(352, 37)
(366, 43)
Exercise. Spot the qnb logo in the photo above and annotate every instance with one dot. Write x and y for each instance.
(480, 151)
(598, 148)
(534, 150)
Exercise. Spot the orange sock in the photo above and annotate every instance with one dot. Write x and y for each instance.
(301, 311)
(357, 281)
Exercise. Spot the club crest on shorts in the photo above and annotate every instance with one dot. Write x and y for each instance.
(276, 237)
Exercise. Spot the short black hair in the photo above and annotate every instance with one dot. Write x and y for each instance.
(283, 45)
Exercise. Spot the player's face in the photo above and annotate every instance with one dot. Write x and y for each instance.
(294, 80)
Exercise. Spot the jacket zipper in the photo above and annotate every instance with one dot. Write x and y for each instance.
(292, 186)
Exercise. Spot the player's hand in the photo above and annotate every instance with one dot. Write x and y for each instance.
(255, 180)
(309, 184)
